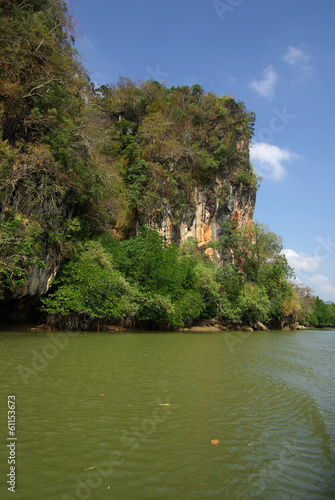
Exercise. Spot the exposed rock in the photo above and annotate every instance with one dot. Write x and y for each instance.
(210, 213)
(114, 328)
(246, 328)
(201, 329)
(42, 200)
(258, 325)
(42, 327)
(41, 278)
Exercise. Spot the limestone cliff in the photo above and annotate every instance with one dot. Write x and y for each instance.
(202, 221)
(228, 196)
(205, 224)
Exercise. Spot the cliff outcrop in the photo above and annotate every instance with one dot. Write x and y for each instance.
(205, 223)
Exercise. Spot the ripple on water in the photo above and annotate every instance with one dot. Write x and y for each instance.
(267, 403)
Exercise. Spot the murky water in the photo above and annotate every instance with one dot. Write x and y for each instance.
(133, 416)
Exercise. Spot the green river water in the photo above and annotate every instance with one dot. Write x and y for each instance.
(129, 416)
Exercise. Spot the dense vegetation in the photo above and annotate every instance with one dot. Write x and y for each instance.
(147, 283)
(81, 169)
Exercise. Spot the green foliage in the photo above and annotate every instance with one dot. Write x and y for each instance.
(106, 158)
(20, 248)
(156, 311)
(141, 280)
(36, 54)
(255, 303)
(184, 136)
(90, 290)
(148, 260)
(190, 308)
(323, 314)
(255, 277)
(146, 283)
(136, 180)
(306, 301)
(54, 167)
(231, 289)
(208, 287)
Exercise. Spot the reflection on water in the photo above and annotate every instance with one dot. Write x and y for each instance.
(132, 416)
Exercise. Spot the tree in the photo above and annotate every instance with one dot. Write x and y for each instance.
(153, 264)
(307, 302)
(323, 314)
(255, 254)
(36, 56)
(254, 303)
(197, 92)
(90, 291)
(174, 289)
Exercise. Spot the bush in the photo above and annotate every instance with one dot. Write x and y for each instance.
(89, 291)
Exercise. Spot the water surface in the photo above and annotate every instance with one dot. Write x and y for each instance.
(133, 415)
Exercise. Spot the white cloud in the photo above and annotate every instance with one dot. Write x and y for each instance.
(322, 283)
(302, 261)
(295, 55)
(269, 159)
(318, 279)
(327, 288)
(305, 266)
(265, 87)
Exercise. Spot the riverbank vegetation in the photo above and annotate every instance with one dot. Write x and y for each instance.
(82, 169)
(142, 282)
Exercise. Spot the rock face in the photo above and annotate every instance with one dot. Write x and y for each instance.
(205, 223)
(42, 201)
(41, 278)
(229, 197)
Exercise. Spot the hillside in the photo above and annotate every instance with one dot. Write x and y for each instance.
(130, 203)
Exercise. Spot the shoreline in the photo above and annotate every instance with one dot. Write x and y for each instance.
(200, 328)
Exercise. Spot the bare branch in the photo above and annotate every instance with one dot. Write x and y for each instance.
(53, 29)
(31, 92)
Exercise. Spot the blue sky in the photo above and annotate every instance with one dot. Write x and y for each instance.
(278, 58)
